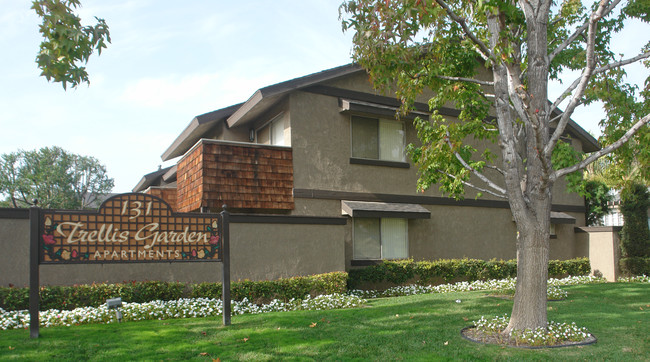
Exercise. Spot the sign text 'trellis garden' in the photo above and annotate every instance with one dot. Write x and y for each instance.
(128, 228)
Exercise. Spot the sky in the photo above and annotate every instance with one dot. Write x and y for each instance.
(168, 62)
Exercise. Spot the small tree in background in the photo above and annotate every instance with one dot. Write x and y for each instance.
(597, 198)
(54, 177)
(635, 236)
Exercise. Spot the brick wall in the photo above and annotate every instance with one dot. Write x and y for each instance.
(241, 176)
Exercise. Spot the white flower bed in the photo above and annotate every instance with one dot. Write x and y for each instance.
(556, 333)
(502, 284)
(202, 307)
(182, 308)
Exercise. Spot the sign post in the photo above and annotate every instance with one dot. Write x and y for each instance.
(34, 219)
(127, 228)
(225, 266)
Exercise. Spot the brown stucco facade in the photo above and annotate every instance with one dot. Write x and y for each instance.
(286, 154)
(316, 113)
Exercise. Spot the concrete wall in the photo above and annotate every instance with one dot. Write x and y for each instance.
(258, 252)
(604, 250)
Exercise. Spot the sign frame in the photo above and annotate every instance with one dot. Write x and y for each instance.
(127, 228)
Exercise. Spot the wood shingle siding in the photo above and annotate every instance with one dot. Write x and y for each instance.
(166, 193)
(239, 175)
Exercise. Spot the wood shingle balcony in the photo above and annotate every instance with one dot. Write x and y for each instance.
(243, 176)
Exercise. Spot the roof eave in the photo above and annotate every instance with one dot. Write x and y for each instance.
(195, 130)
(280, 89)
(148, 179)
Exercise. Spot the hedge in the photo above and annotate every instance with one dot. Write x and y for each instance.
(427, 272)
(90, 295)
(283, 289)
(71, 297)
(635, 266)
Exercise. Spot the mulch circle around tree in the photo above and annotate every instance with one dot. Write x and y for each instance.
(471, 334)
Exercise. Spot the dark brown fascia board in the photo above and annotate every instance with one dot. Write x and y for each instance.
(196, 129)
(287, 219)
(148, 179)
(277, 90)
(416, 199)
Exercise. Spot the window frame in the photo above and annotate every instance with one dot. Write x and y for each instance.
(359, 260)
(378, 161)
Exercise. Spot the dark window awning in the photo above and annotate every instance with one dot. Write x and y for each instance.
(383, 209)
(562, 218)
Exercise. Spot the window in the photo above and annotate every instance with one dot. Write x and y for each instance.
(378, 139)
(380, 238)
(276, 132)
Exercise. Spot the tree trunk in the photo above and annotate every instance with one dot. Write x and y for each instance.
(529, 309)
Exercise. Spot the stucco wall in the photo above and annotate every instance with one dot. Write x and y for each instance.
(321, 146)
(477, 233)
(604, 250)
(14, 251)
(258, 252)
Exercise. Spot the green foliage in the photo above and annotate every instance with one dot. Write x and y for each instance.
(409, 45)
(66, 43)
(635, 266)
(56, 178)
(635, 236)
(282, 289)
(426, 272)
(564, 155)
(597, 197)
(414, 328)
(71, 297)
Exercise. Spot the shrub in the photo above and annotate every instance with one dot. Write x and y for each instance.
(282, 289)
(94, 295)
(597, 198)
(398, 272)
(635, 236)
(635, 266)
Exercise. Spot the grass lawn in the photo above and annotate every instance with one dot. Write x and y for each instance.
(422, 327)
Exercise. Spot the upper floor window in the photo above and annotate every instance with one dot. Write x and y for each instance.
(277, 132)
(378, 139)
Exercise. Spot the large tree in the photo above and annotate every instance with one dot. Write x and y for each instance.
(493, 59)
(54, 177)
(67, 44)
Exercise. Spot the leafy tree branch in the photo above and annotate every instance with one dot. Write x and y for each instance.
(67, 44)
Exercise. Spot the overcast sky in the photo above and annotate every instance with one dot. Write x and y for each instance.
(170, 61)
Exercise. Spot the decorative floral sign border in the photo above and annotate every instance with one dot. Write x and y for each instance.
(129, 209)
